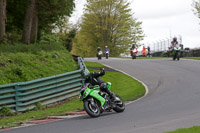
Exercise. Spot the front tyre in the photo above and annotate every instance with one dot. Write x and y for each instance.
(106, 55)
(178, 56)
(92, 108)
(120, 106)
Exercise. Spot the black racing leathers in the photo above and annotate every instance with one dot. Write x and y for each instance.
(95, 80)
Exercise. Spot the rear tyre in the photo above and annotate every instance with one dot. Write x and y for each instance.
(120, 106)
(92, 108)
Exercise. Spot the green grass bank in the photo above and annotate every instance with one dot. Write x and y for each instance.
(19, 63)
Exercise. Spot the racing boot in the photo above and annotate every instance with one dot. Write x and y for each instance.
(115, 99)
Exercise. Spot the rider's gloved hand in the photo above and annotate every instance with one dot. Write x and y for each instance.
(101, 69)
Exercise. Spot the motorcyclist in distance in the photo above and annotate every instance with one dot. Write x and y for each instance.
(133, 47)
(174, 42)
(98, 49)
(106, 50)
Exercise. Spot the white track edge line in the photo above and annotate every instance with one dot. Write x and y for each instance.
(145, 86)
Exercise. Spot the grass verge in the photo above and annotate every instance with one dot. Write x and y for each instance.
(123, 85)
(195, 129)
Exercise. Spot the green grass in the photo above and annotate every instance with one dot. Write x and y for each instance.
(93, 64)
(33, 62)
(123, 85)
(31, 48)
(195, 129)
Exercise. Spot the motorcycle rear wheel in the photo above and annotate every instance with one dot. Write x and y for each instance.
(93, 110)
(120, 107)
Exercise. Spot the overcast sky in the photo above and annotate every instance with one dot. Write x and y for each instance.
(161, 18)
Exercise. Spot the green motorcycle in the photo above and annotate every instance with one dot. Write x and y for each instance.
(99, 55)
(176, 52)
(96, 101)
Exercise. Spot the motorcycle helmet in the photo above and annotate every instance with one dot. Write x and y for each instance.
(175, 39)
(85, 74)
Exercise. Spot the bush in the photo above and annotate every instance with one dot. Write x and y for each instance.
(6, 111)
(49, 39)
(31, 48)
(38, 106)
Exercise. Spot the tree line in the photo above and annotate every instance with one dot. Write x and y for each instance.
(29, 18)
(196, 6)
(104, 23)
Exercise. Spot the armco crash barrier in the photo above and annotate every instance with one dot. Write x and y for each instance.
(24, 95)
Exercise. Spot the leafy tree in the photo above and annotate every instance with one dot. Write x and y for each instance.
(50, 14)
(108, 22)
(33, 17)
(15, 15)
(68, 40)
(196, 5)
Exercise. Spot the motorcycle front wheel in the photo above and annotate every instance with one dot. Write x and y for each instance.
(92, 107)
(106, 56)
(120, 106)
(178, 56)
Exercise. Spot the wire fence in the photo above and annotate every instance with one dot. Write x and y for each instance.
(163, 45)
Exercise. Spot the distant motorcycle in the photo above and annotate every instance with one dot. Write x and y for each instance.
(99, 55)
(133, 53)
(107, 54)
(176, 52)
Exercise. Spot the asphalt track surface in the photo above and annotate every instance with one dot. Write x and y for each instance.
(173, 101)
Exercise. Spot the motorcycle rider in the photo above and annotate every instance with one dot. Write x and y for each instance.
(174, 42)
(106, 49)
(98, 50)
(93, 79)
(133, 47)
(148, 49)
(132, 52)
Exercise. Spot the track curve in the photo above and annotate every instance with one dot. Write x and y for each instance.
(173, 101)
